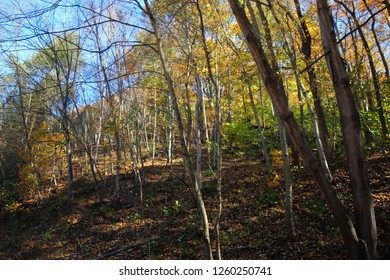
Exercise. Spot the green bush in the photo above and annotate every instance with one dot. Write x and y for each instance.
(9, 194)
(241, 138)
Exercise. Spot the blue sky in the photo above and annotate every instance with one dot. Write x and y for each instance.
(18, 31)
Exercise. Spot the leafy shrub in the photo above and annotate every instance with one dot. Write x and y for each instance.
(9, 194)
(241, 138)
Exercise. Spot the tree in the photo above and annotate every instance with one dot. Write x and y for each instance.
(349, 117)
(282, 132)
(373, 70)
(277, 93)
(306, 50)
(186, 156)
(59, 61)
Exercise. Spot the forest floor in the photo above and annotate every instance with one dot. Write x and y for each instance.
(167, 226)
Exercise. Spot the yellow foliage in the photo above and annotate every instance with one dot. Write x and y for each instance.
(39, 159)
(277, 160)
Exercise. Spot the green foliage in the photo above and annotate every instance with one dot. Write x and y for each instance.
(48, 235)
(208, 172)
(137, 217)
(166, 211)
(9, 194)
(12, 162)
(370, 121)
(241, 138)
(318, 207)
(171, 210)
(268, 198)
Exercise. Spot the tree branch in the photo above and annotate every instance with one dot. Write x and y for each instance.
(343, 38)
(126, 248)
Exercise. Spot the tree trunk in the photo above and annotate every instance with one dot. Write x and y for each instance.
(111, 156)
(117, 166)
(378, 45)
(99, 132)
(282, 133)
(302, 91)
(292, 236)
(138, 157)
(189, 111)
(206, 129)
(306, 51)
(2, 173)
(186, 156)
(387, 3)
(350, 127)
(70, 171)
(374, 73)
(217, 134)
(320, 146)
(259, 128)
(170, 131)
(154, 126)
(279, 98)
(229, 96)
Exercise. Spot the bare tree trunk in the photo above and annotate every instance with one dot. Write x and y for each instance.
(111, 156)
(350, 127)
(360, 92)
(2, 173)
(374, 73)
(217, 138)
(320, 146)
(279, 98)
(53, 179)
(117, 166)
(105, 172)
(138, 156)
(306, 51)
(198, 139)
(186, 156)
(70, 171)
(198, 111)
(378, 45)
(257, 119)
(301, 89)
(301, 110)
(291, 233)
(154, 126)
(99, 132)
(229, 96)
(188, 104)
(206, 130)
(282, 131)
(170, 132)
(387, 3)
(146, 138)
(85, 143)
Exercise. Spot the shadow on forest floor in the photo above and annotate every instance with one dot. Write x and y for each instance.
(252, 224)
